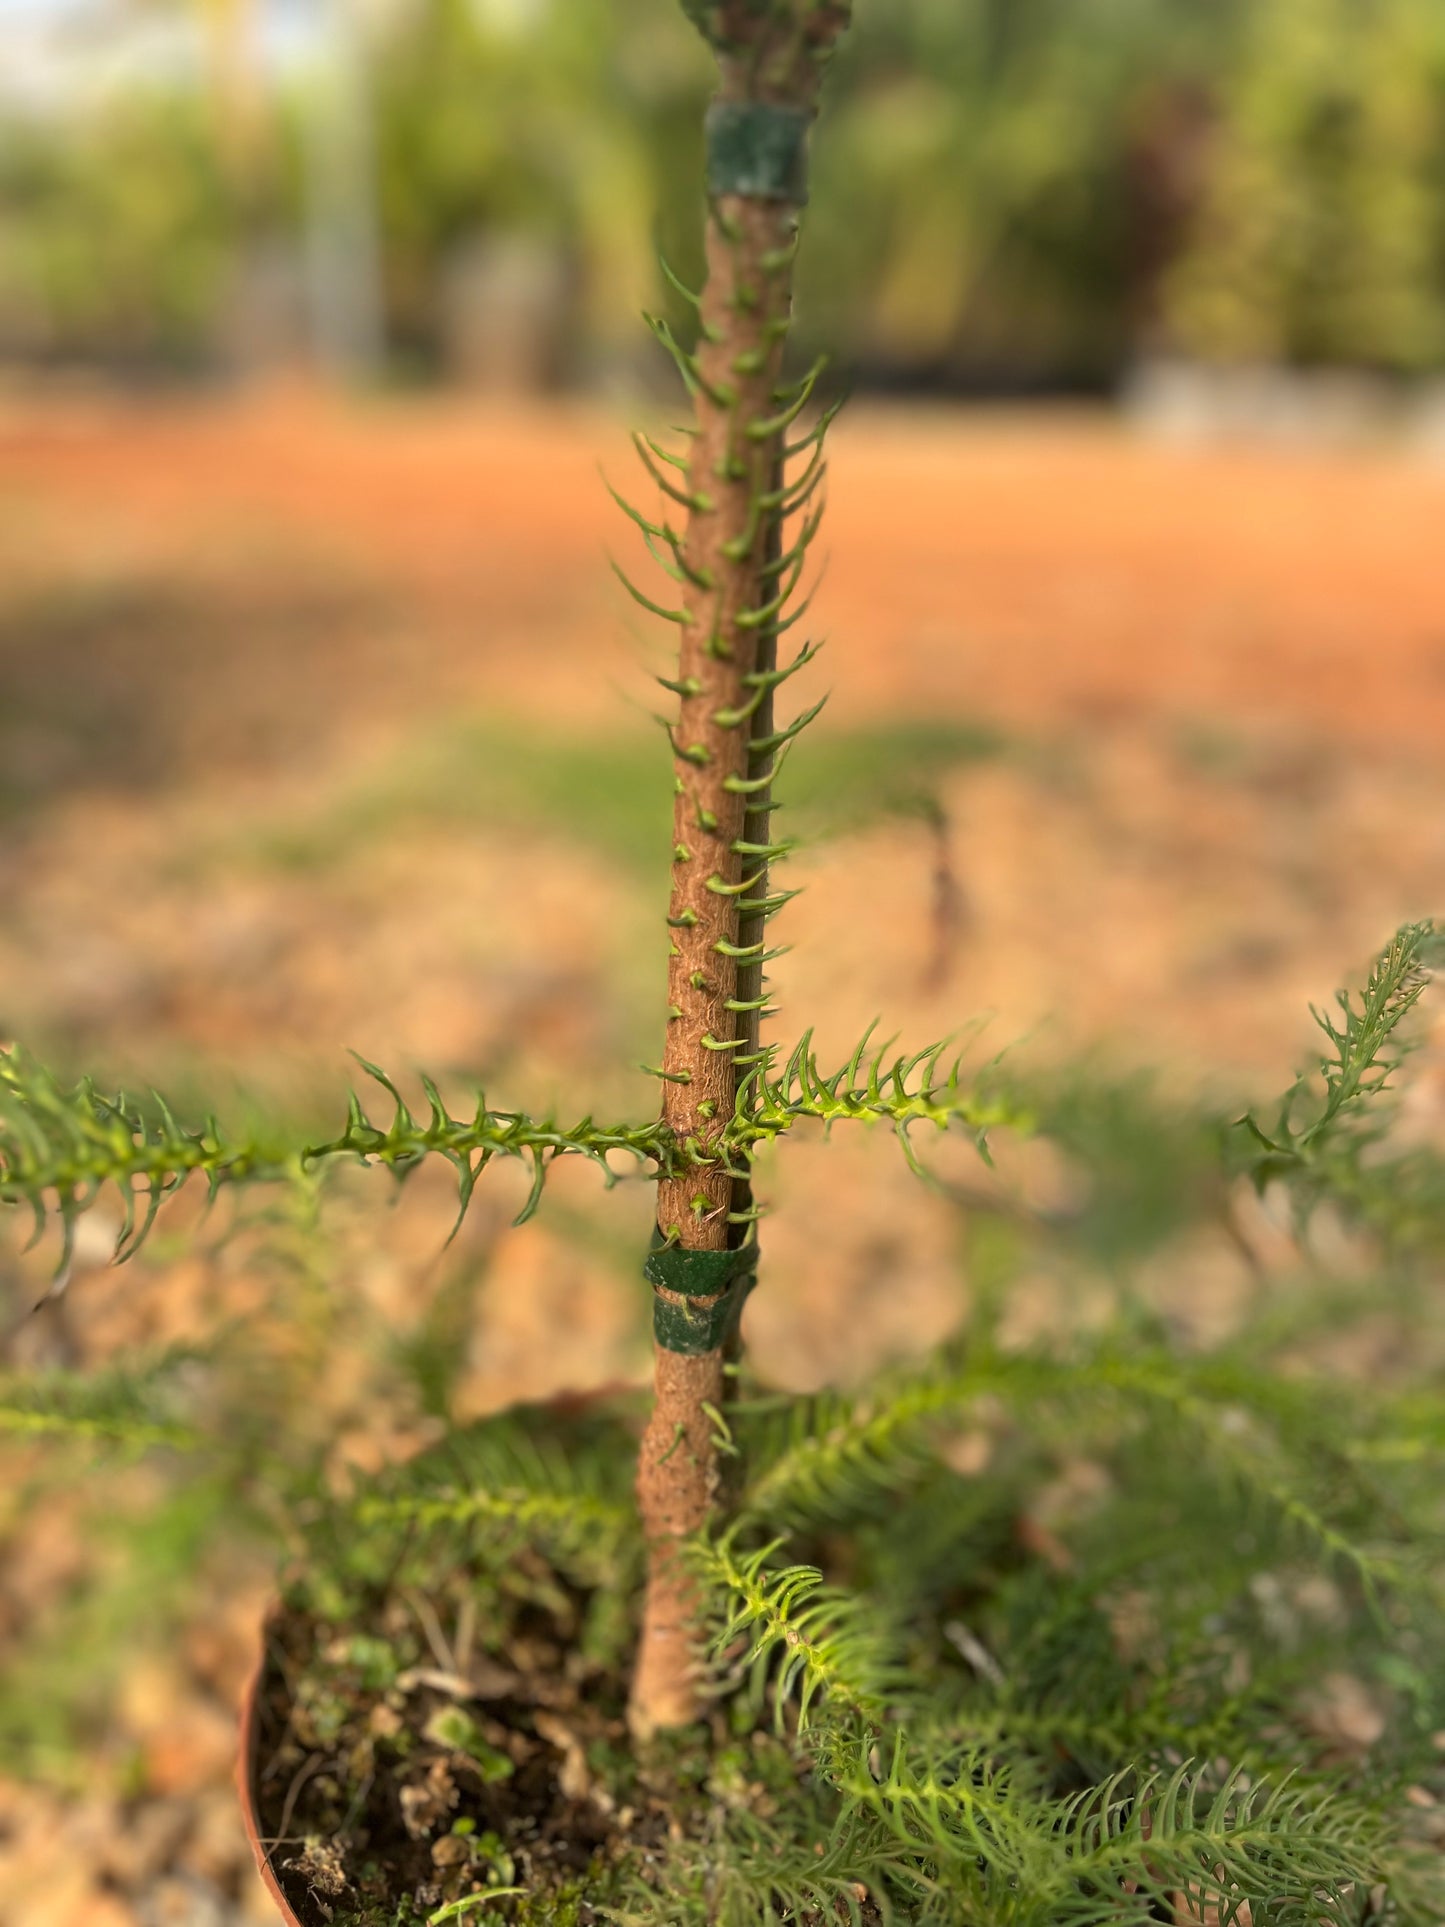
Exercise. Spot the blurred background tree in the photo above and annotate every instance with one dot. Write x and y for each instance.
(1321, 233)
(1015, 194)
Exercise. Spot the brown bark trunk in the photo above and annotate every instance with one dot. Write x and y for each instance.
(745, 306)
(678, 1476)
(719, 824)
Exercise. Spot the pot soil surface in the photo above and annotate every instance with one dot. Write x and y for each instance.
(428, 1748)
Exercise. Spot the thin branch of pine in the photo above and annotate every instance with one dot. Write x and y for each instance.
(62, 1145)
(1365, 1050)
(522, 1488)
(808, 1641)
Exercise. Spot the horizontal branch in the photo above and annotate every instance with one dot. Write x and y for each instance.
(62, 1146)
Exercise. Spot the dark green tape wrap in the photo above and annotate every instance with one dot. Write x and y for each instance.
(696, 1274)
(758, 150)
(726, 1277)
(693, 1329)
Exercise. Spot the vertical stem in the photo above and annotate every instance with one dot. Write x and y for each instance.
(772, 56)
(744, 318)
(745, 312)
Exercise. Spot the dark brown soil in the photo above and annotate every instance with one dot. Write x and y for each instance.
(421, 1748)
(397, 1766)
(414, 1751)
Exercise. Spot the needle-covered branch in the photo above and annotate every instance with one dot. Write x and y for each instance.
(62, 1146)
(1327, 1132)
(65, 1147)
(872, 1089)
(1364, 1052)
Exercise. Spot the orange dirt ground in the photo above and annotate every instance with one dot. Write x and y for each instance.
(1223, 673)
(1036, 567)
(1228, 665)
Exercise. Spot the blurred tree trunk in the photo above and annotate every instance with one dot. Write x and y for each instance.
(343, 248)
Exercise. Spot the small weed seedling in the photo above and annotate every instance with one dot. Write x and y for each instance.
(884, 1665)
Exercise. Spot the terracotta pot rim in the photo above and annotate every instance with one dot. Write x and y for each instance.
(246, 1767)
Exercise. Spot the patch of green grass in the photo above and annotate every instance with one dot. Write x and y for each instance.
(609, 797)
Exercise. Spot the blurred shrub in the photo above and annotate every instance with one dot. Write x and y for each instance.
(1012, 192)
(1322, 231)
(116, 231)
(575, 123)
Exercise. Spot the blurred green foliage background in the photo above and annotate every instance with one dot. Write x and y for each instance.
(1011, 194)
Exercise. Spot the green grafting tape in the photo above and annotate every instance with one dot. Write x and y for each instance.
(693, 1329)
(724, 1276)
(758, 150)
(696, 1274)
